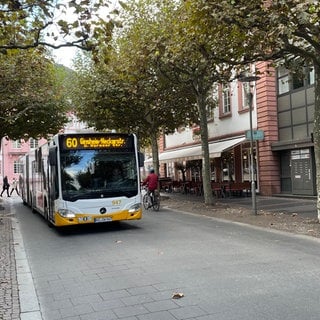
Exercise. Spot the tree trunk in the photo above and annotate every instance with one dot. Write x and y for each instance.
(206, 170)
(316, 132)
(155, 152)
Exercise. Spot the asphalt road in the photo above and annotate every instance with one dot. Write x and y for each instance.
(131, 271)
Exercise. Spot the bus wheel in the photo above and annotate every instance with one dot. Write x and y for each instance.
(33, 210)
(46, 216)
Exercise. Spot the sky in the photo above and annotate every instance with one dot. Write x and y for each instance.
(64, 55)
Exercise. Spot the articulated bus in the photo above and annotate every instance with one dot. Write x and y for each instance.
(83, 178)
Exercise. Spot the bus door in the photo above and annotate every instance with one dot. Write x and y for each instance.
(52, 181)
(26, 182)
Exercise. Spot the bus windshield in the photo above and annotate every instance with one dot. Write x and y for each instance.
(88, 174)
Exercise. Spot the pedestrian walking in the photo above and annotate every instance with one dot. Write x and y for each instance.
(5, 186)
(14, 186)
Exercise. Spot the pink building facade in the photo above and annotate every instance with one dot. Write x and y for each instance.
(11, 151)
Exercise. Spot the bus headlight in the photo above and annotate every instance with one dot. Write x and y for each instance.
(66, 213)
(135, 207)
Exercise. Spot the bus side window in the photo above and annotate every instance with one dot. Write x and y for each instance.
(52, 159)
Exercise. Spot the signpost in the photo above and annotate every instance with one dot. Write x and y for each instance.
(256, 134)
(249, 79)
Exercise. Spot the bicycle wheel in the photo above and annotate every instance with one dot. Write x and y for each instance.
(156, 201)
(146, 200)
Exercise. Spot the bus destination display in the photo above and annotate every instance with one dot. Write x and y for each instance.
(74, 142)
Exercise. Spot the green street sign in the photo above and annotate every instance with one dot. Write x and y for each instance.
(256, 134)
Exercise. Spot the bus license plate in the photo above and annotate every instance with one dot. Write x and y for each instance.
(102, 219)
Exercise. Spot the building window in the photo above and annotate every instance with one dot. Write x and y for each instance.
(227, 165)
(17, 167)
(297, 80)
(283, 80)
(226, 101)
(210, 112)
(246, 162)
(246, 90)
(33, 143)
(310, 76)
(16, 144)
(294, 80)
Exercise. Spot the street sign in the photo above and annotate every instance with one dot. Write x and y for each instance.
(256, 134)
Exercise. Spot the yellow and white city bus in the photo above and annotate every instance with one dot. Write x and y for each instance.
(83, 178)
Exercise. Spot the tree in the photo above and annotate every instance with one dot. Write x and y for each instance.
(286, 32)
(28, 24)
(127, 91)
(160, 54)
(190, 59)
(30, 104)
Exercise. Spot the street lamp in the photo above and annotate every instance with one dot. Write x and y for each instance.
(248, 79)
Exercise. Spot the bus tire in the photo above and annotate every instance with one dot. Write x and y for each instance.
(33, 208)
(46, 217)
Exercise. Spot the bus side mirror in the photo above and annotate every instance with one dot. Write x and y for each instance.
(53, 156)
(141, 159)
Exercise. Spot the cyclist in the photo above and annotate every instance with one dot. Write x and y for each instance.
(152, 183)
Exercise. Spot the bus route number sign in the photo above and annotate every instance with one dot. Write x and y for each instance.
(94, 142)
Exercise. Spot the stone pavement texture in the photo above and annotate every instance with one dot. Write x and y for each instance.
(9, 293)
(18, 299)
(289, 214)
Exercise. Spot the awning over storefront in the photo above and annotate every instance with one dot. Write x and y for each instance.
(216, 148)
(193, 153)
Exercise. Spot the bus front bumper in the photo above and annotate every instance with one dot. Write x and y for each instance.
(82, 218)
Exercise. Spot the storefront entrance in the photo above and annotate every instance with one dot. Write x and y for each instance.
(302, 172)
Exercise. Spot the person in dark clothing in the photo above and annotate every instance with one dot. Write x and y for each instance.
(14, 186)
(5, 186)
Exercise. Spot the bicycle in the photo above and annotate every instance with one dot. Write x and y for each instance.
(151, 200)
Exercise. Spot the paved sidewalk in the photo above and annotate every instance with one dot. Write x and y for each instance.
(306, 207)
(18, 299)
(9, 293)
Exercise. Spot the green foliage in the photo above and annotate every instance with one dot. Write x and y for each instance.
(127, 89)
(29, 23)
(168, 55)
(261, 30)
(286, 32)
(31, 102)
